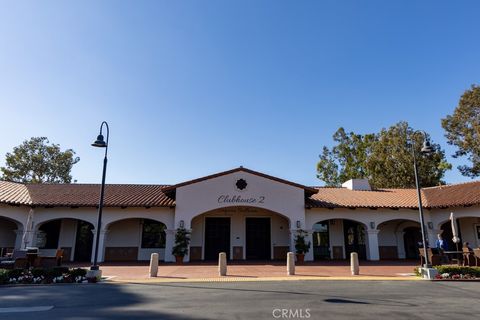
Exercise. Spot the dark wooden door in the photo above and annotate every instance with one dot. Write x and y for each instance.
(217, 237)
(83, 242)
(354, 239)
(258, 244)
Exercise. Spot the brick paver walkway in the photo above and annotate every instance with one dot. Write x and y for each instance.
(257, 270)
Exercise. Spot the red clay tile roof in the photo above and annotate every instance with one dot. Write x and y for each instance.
(380, 198)
(83, 195)
(14, 193)
(123, 195)
(455, 195)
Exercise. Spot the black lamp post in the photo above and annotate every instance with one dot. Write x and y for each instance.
(100, 143)
(426, 149)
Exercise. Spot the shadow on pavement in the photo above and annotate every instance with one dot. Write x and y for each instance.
(85, 301)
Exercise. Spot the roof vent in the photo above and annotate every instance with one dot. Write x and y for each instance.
(357, 184)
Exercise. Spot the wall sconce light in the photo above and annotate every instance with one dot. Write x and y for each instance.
(182, 224)
(430, 225)
(372, 225)
(298, 224)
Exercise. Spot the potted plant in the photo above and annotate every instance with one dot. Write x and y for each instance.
(301, 245)
(182, 240)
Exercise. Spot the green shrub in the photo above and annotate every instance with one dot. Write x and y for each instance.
(58, 271)
(15, 273)
(39, 275)
(77, 272)
(472, 271)
(38, 272)
(416, 270)
(4, 276)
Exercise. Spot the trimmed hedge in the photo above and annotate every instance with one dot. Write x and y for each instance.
(471, 271)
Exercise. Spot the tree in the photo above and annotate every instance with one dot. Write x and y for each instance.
(383, 158)
(463, 130)
(390, 164)
(37, 161)
(346, 160)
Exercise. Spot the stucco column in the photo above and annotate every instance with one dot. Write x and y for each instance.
(399, 235)
(293, 232)
(432, 236)
(309, 254)
(373, 251)
(169, 240)
(101, 245)
(18, 238)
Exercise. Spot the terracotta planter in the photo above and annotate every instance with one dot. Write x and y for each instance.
(179, 259)
(300, 257)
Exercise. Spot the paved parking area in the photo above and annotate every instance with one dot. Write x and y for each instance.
(244, 300)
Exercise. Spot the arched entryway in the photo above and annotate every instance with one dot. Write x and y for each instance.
(398, 239)
(9, 235)
(74, 236)
(468, 230)
(145, 236)
(244, 233)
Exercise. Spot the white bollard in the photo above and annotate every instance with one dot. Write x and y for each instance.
(354, 264)
(290, 264)
(153, 264)
(222, 264)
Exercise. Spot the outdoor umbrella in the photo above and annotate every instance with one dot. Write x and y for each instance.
(28, 228)
(455, 238)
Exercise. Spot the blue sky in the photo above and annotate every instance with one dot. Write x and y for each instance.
(191, 88)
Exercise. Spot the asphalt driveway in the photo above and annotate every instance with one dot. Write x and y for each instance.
(245, 300)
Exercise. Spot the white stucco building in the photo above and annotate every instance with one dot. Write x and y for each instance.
(249, 215)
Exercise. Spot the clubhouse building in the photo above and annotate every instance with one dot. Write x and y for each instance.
(247, 214)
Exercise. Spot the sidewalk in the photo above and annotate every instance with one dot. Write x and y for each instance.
(258, 271)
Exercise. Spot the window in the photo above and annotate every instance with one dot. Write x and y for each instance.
(153, 234)
(49, 234)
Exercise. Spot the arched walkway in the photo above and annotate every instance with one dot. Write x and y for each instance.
(244, 233)
(10, 235)
(74, 236)
(468, 230)
(145, 236)
(398, 239)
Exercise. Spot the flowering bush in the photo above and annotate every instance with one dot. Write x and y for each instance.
(455, 273)
(42, 276)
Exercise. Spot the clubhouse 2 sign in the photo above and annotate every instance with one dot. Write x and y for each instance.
(225, 198)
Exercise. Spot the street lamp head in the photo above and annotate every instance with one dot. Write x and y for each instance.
(100, 142)
(427, 147)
